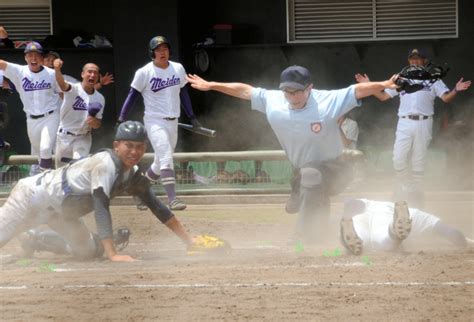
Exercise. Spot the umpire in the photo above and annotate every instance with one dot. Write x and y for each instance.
(305, 123)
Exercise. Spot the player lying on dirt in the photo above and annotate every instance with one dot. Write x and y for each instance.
(382, 226)
(59, 198)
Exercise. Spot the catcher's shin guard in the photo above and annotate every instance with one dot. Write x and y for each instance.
(36, 241)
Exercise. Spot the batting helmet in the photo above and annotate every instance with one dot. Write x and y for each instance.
(155, 42)
(131, 131)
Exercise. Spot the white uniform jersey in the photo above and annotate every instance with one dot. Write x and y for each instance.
(372, 225)
(83, 177)
(351, 130)
(74, 109)
(39, 92)
(160, 89)
(420, 102)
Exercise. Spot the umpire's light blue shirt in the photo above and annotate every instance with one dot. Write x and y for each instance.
(310, 134)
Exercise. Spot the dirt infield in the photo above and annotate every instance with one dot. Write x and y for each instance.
(261, 279)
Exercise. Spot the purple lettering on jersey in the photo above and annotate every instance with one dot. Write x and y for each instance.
(158, 84)
(79, 104)
(29, 86)
(92, 107)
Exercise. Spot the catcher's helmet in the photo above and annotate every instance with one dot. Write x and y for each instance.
(155, 42)
(131, 131)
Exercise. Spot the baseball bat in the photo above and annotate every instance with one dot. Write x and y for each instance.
(198, 130)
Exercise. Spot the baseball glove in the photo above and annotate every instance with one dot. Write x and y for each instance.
(94, 108)
(413, 78)
(206, 244)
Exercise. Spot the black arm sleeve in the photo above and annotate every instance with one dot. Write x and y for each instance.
(156, 206)
(103, 219)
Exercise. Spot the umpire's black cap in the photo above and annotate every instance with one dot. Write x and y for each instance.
(296, 77)
(131, 131)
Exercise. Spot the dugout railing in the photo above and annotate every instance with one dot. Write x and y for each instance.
(255, 172)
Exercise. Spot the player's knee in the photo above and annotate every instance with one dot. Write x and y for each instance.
(310, 178)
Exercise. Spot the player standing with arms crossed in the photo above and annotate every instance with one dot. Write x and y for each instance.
(305, 122)
(414, 129)
(162, 84)
(81, 112)
(39, 94)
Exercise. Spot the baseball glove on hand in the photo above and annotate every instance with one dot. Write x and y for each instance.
(94, 108)
(414, 78)
(205, 244)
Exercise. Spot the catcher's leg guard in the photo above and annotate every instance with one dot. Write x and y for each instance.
(35, 240)
(401, 225)
(349, 238)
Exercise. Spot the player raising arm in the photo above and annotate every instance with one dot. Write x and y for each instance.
(304, 120)
(81, 111)
(39, 94)
(414, 128)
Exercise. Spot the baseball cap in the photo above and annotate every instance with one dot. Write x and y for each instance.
(418, 52)
(296, 77)
(53, 53)
(33, 46)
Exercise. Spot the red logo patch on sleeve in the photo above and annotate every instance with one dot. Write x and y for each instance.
(316, 127)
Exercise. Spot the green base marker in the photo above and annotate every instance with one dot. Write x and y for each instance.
(366, 260)
(299, 247)
(335, 253)
(47, 267)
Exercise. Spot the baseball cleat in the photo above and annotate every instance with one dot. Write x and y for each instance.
(139, 202)
(177, 205)
(349, 237)
(401, 225)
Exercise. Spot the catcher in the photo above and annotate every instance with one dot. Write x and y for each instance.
(59, 198)
(383, 226)
(81, 111)
(420, 83)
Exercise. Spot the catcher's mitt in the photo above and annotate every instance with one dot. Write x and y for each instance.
(414, 78)
(206, 244)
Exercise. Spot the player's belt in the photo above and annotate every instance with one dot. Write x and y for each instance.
(34, 117)
(415, 117)
(169, 118)
(64, 131)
